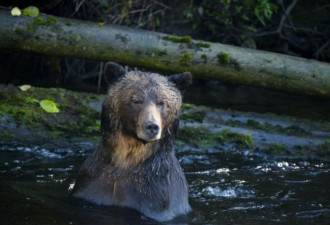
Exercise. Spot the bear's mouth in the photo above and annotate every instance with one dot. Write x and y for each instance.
(146, 141)
(148, 133)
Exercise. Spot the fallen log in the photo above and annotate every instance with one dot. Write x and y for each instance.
(56, 36)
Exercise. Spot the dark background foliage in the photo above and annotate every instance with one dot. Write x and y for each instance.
(299, 28)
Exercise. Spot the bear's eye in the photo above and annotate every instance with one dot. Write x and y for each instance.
(160, 102)
(136, 100)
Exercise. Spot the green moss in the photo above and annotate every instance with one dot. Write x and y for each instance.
(56, 133)
(204, 58)
(18, 107)
(186, 59)
(268, 127)
(41, 21)
(235, 64)
(192, 135)
(241, 140)
(293, 129)
(323, 149)
(74, 117)
(223, 58)
(302, 149)
(94, 127)
(5, 136)
(186, 106)
(76, 38)
(18, 31)
(185, 39)
(276, 149)
(180, 143)
(38, 21)
(51, 19)
(203, 45)
(30, 27)
(203, 138)
(68, 24)
(160, 52)
(193, 116)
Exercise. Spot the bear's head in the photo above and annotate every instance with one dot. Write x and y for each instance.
(143, 105)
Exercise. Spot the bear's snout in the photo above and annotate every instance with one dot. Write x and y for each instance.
(151, 128)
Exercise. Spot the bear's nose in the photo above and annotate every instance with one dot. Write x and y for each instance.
(151, 128)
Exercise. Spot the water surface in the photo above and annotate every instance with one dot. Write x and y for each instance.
(226, 187)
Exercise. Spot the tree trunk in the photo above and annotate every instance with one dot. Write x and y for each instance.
(66, 37)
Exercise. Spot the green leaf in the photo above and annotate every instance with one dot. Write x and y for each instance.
(31, 11)
(15, 11)
(24, 87)
(101, 24)
(49, 106)
(31, 100)
(245, 17)
(157, 21)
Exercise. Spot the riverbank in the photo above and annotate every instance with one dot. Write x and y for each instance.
(24, 122)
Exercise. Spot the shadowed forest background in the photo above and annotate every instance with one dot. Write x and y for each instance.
(298, 28)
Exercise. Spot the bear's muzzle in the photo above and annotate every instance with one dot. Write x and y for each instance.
(151, 128)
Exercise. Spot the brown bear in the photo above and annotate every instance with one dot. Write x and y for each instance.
(135, 165)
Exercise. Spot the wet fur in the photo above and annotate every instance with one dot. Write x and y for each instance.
(124, 170)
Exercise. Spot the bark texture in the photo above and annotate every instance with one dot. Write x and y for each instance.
(66, 37)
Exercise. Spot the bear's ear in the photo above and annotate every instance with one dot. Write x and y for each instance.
(109, 120)
(181, 80)
(105, 118)
(112, 72)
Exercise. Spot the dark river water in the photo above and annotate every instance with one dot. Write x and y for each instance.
(225, 188)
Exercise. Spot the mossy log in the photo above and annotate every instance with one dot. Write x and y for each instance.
(66, 37)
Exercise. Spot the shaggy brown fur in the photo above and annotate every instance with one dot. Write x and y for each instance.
(135, 165)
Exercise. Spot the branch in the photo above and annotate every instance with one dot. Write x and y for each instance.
(278, 30)
(320, 50)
